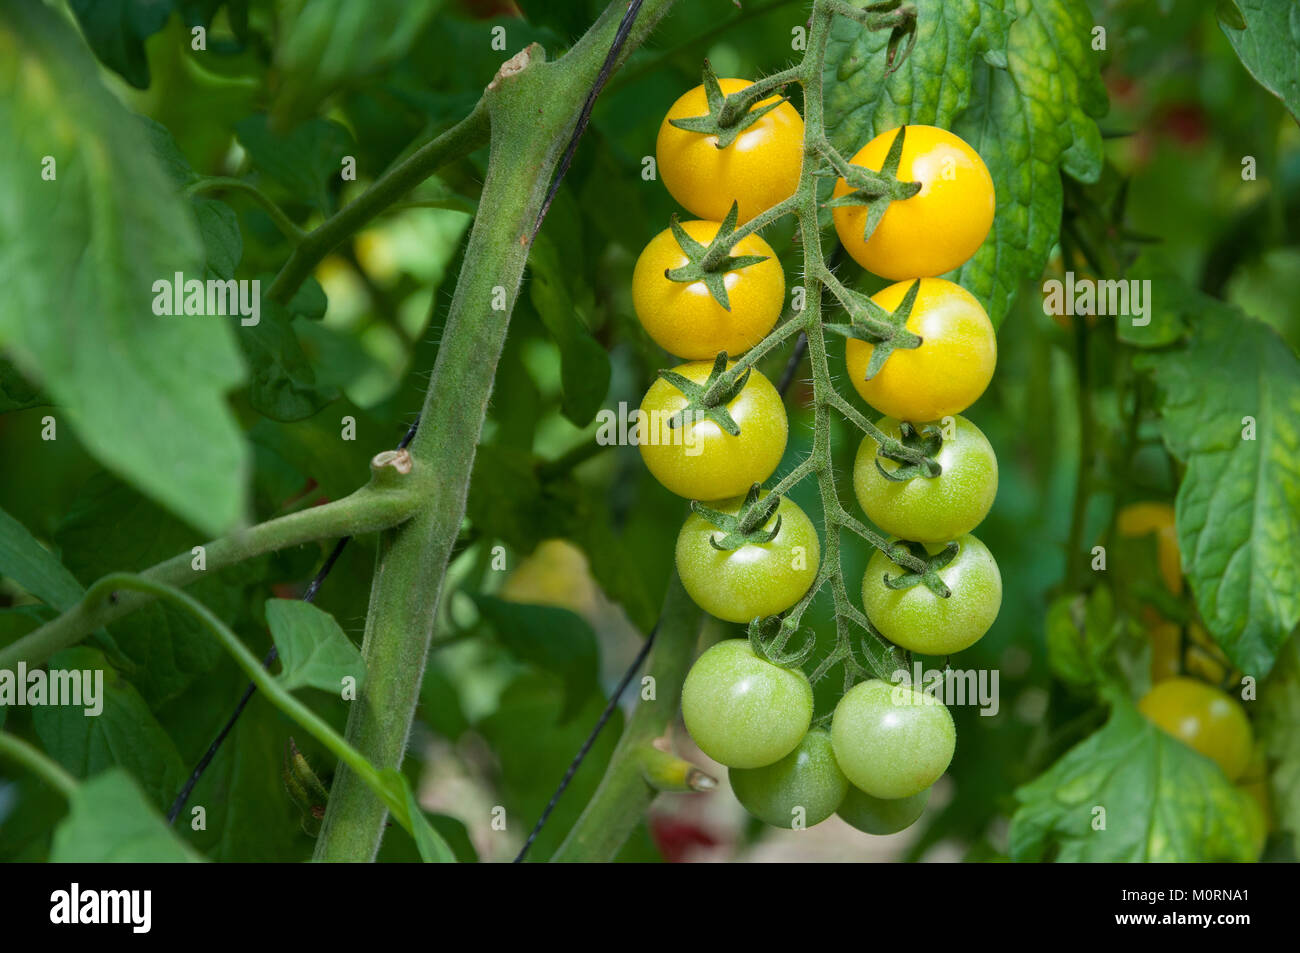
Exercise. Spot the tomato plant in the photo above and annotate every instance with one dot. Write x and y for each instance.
(349, 481)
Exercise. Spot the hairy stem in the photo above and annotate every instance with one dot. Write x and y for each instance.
(531, 109)
(13, 748)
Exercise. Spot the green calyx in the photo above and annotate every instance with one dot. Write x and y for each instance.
(876, 190)
(930, 577)
(746, 526)
(710, 263)
(886, 332)
(708, 401)
(306, 790)
(924, 444)
(768, 638)
(728, 116)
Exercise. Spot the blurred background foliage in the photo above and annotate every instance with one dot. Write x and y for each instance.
(585, 531)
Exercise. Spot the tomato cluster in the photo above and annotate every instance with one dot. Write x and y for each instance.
(874, 758)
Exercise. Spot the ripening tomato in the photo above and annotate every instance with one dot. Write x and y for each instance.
(701, 461)
(742, 710)
(685, 319)
(756, 579)
(921, 621)
(947, 372)
(759, 169)
(938, 228)
(892, 741)
(1205, 719)
(929, 509)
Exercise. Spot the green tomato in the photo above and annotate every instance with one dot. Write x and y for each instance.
(892, 741)
(929, 509)
(874, 815)
(756, 579)
(742, 710)
(802, 789)
(921, 621)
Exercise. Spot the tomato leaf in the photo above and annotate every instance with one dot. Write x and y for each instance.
(283, 384)
(1238, 507)
(304, 160)
(34, 567)
(116, 31)
(1162, 802)
(314, 650)
(124, 734)
(553, 639)
(109, 821)
(1266, 36)
(79, 255)
(432, 846)
(584, 365)
(1018, 81)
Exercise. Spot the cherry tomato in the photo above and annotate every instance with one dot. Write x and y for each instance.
(1203, 718)
(701, 461)
(756, 579)
(892, 741)
(929, 509)
(758, 170)
(1166, 647)
(937, 229)
(921, 621)
(947, 372)
(742, 710)
(685, 319)
(1141, 519)
(874, 815)
(802, 789)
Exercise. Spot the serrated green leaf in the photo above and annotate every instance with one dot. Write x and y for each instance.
(1266, 36)
(553, 639)
(223, 246)
(116, 31)
(34, 567)
(1163, 802)
(1238, 506)
(1016, 80)
(283, 384)
(79, 255)
(314, 649)
(124, 734)
(109, 821)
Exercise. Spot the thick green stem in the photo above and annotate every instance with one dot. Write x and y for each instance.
(387, 501)
(624, 793)
(532, 108)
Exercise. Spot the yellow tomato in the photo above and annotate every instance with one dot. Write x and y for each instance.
(1141, 519)
(1203, 718)
(758, 170)
(1166, 642)
(685, 319)
(947, 372)
(936, 229)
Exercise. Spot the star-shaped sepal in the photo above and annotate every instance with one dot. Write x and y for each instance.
(886, 332)
(930, 577)
(924, 442)
(746, 526)
(710, 263)
(728, 116)
(876, 190)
